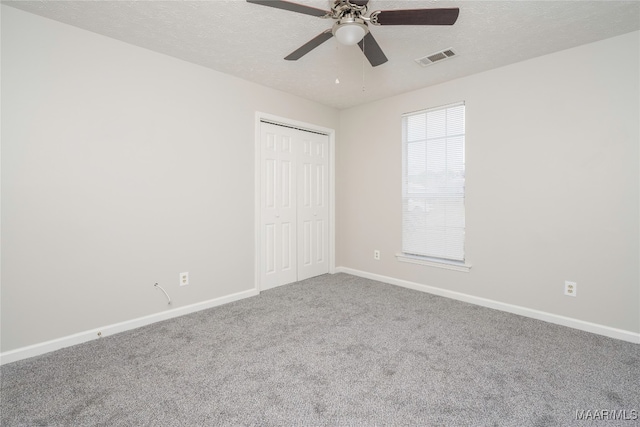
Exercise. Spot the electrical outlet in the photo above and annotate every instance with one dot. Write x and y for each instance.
(570, 288)
(376, 254)
(184, 279)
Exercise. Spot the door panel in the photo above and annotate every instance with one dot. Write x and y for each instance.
(320, 242)
(288, 247)
(278, 262)
(306, 240)
(313, 212)
(270, 248)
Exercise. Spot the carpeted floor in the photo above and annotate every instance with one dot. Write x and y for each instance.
(335, 350)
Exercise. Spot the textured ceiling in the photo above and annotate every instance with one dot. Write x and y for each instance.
(250, 41)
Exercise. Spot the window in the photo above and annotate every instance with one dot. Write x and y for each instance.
(433, 220)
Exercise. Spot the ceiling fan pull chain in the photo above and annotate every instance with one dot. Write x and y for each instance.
(337, 56)
(363, 58)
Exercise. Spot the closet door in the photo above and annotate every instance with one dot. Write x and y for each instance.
(313, 207)
(278, 210)
(294, 208)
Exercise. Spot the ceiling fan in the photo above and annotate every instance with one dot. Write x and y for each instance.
(352, 26)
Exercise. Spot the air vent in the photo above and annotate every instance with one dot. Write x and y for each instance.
(435, 57)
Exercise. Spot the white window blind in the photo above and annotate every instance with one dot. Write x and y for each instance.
(433, 221)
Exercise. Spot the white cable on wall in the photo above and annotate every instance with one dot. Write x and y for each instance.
(165, 292)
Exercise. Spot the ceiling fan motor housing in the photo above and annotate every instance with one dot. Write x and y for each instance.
(343, 8)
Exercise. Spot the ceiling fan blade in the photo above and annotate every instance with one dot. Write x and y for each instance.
(309, 46)
(293, 7)
(372, 50)
(415, 17)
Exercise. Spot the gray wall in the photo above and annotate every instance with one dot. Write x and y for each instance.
(552, 184)
(121, 167)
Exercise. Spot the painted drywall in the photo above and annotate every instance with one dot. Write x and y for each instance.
(552, 184)
(121, 168)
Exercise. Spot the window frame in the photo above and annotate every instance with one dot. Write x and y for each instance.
(432, 261)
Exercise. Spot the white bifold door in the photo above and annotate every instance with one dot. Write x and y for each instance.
(294, 191)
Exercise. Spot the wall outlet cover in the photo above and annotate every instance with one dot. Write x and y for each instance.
(570, 288)
(184, 279)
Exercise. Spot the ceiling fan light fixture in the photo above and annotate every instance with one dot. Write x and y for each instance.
(349, 31)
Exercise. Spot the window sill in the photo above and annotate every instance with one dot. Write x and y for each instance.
(434, 262)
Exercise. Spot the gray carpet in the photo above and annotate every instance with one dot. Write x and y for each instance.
(335, 350)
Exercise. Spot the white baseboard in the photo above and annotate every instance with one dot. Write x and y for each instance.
(81, 337)
(595, 328)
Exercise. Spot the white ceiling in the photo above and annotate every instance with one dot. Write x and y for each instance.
(250, 41)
